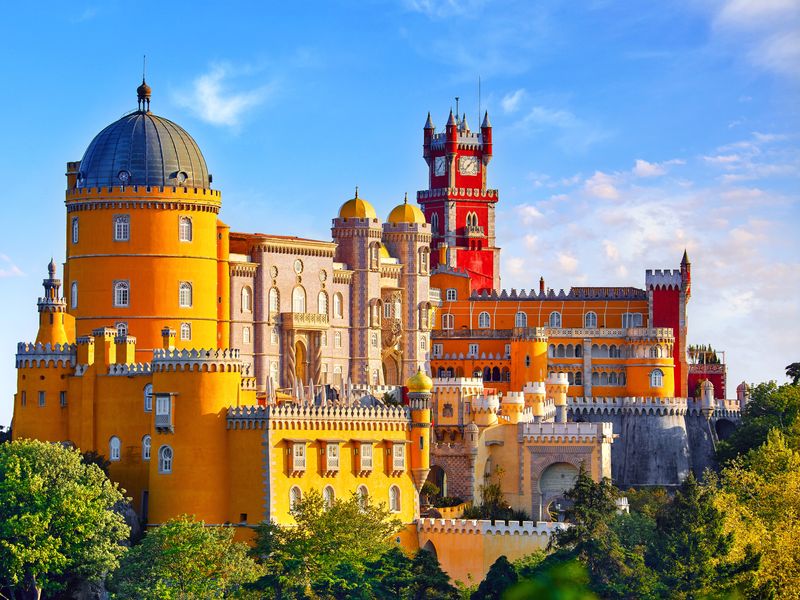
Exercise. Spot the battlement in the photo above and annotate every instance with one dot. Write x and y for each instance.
(462, 193)
(565, 432)
(513, 398)
(130, 369)
(46, 355)
(486, 527)
(297, 416)
(486, 402)
(210, 360)
(575, 293)
(457, 382)
(133, 192)
(666, 278)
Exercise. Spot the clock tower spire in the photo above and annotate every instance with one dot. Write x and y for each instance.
(457, 203)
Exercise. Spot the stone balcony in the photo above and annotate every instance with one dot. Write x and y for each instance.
(306, 321)
(473, 231)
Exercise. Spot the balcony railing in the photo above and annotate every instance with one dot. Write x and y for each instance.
(296, 320)
(557, 332)
(473, 231)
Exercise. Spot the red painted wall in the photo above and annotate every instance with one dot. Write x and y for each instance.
(666, 313)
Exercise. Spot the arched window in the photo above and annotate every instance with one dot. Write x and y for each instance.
(451, 294)
(274, 300)
(484, 320)
(570, 378)
(247, 299)
(322, 303)
(295, 496)
(186, 331)
(374, 340)
(114, 448)
(165, 459)
(337, 339)
(338, 305)
(527, 360)
(122, 329)
(656, 378)
(612, 379)
(595, 378)
(487, 374)
(448, 321)
(560, 351)
(590, 320)
(185, 229)
(604, 378)
(551, 350)
(570, 351)
(555, 319)
(578, 350)
(496, 374)
(578, 378)
(374, 256)
(520, 319)
(299, 299)
(185, 294)
(73, 295)
(146, 447)
(424, 316)
(245, 335)
(74, 230)
(121, 293)
(434, 224)
(148, 397)
(655, 351)
(328, 496)
(363, 495)
(394, 499)
(423, 260)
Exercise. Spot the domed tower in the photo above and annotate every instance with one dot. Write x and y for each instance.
(357, 233)
(419, 396)
(407, 236)
(142, 235)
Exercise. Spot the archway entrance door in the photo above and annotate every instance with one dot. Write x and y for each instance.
(301, 360)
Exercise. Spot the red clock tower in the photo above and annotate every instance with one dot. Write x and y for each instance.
(458, 204)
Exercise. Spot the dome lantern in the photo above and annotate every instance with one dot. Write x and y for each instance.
(143, 93)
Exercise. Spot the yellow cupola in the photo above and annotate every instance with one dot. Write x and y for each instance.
(357, 208)
(406, 213)
(419, 383)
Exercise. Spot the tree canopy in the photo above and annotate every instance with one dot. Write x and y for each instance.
(184, 559)
(57, 517)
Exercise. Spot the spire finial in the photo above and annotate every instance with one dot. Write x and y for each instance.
(51, 268)
(405, 199)
(143, 91)
(356, 192)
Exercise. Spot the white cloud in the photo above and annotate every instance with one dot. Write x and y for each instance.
(511, 101)
(602, 185)
(529, 213)
(444, 8)
(212, 101)
(8, 268)
(531, 241)
(567, 262)
(611, 250)
(642, 168)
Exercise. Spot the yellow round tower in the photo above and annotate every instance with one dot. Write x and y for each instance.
(528, 356)
(557, 385)
(142, 235)
(419, 395)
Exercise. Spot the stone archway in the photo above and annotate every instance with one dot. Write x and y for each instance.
(724, 428)
(438, 477)
(429, 547)
(391, 370)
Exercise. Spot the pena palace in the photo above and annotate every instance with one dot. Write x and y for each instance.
(227, 374)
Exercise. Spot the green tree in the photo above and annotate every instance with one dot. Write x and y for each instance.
(566, 580)
(760, 497)
(56, 518)
(348, 531)
(694, 548)
(390, 576)
(430, 582)
(501, 577)
(184, 559)
(793, 372)
(770, 407)
(615, 571)
(345, 582)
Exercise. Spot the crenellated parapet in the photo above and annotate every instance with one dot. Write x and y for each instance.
(129, 370)
(565, 432)
(46, 355)
(458, 194)
(205, 360)
(487, 527)
(663, 279)
(143, 197)
(307, 416)
(596, 405)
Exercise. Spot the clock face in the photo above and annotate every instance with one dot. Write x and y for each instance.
(124, 177)
(439, 166)
(468, 165)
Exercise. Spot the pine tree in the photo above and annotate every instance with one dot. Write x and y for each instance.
(390, 576)
(430, 582)
(501, 577)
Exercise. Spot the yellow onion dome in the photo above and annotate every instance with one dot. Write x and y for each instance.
(419, 382)
(357, 208)
(384, 252)
(406, 213)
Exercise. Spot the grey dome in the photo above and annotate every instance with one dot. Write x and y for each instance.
(143, 149)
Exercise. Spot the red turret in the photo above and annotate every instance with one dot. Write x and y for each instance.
(457, 203)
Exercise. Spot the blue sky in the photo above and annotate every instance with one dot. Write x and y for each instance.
(624, 132)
